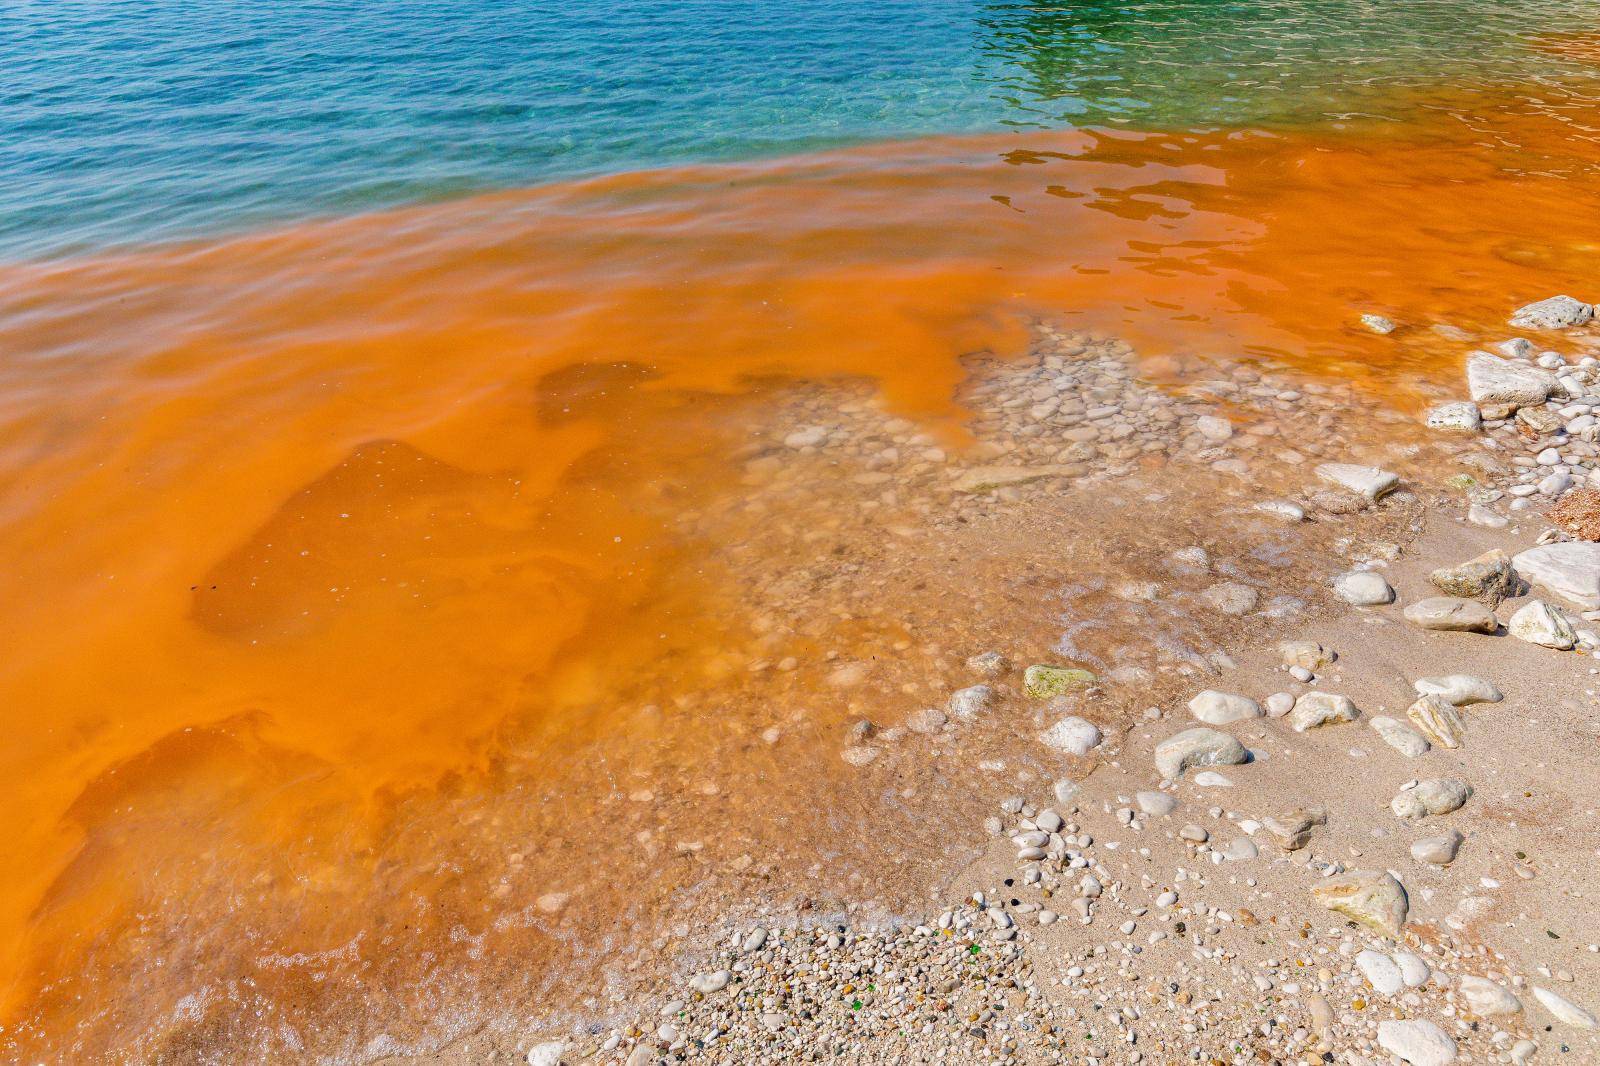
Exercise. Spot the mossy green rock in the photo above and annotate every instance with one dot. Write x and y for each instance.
(1042, 682)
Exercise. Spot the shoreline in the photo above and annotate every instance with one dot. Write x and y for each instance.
(707, 625)
(725, 605)
(1227, 873)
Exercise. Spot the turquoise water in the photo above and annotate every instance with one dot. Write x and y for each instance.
(136, 121)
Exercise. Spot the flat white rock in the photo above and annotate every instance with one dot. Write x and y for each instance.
(1434, 796)
(969, 703)
(1538, 623)
(1440, 849)
(1556, 312)
(1459, 690)
(809, 437)
(1493, 381)
(1400, 737)
(1564, 1009)
(1284, 509)
(547, 1054)
(1487, 517)
(1363, 588)
(1221, 708)
(1488, 999)
(1075, 735)
(1451, 614)
(1381, 972)
(1413, 970)
(1455, 417)
(1373, 898)
(1368, 481)
(1417, 1041)
(1197, 747)
(707, 983)
(1570, 569)
(1315, 709)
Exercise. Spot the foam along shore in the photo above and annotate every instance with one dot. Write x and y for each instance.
(1365, 835)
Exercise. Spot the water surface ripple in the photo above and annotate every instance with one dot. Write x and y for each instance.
(132, 121)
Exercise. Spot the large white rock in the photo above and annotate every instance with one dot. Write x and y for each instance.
(1197, 747)
(1440, 849)
(1436, 795)
(1363, 588)
(1556, 312)
(1077, 736)
(1488, 999)
(1450, 614)
(1459, 689)
(968, 703)
(1488, 578)
(1456, 417)
(1487, 517)
(1306, 654)
(1570, 569)
(1564, 1009)
(1314, 709)
(1380, 971)
(1371, 897)
(1292, 829)
(1221, 708)
(547, 1054)
(1368, 481)
(1413, 970)
(1400, 737)
(1538, 623)
(1417, 1041)
(1498, 382)
(707, 983)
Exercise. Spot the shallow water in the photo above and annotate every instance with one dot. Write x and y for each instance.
(128, 121)
(368, 563)
(379, 579)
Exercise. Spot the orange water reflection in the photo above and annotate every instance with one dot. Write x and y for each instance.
(309, 529)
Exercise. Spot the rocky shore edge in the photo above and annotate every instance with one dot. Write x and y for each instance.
(1150, 915)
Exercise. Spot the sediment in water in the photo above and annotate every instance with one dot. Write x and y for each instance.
(1093, 929)
(508, 632)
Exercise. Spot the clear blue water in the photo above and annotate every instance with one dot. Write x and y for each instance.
(139, 120)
